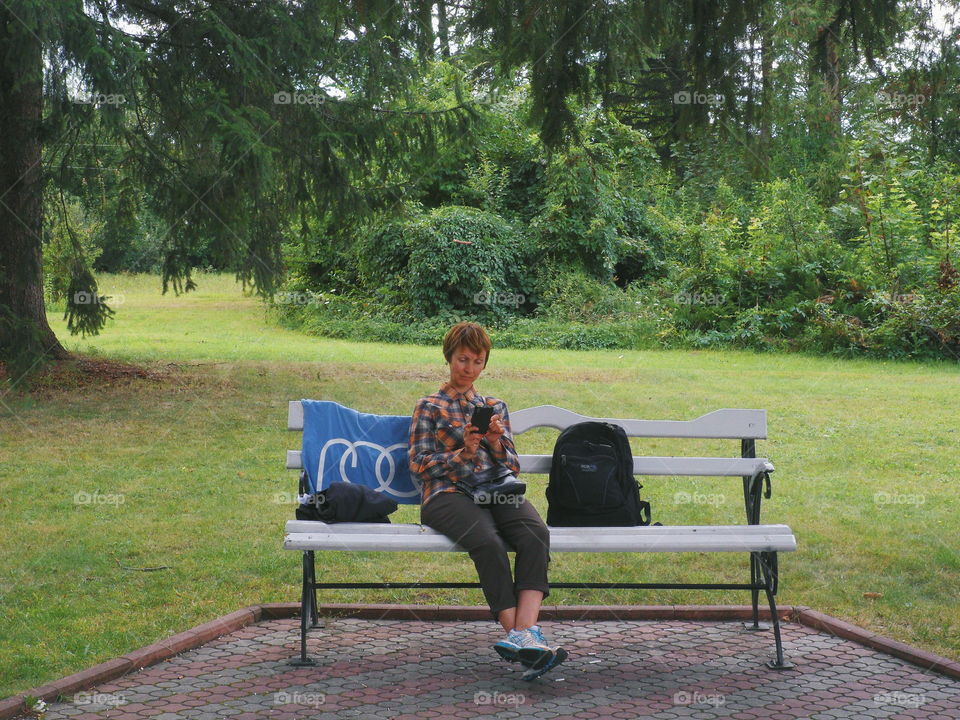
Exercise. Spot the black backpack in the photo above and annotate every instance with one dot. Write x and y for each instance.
(591, 479)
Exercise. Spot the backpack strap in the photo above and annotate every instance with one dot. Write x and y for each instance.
(304, 483)
(645, 513)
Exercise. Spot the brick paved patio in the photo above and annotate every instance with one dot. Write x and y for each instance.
(445, 669)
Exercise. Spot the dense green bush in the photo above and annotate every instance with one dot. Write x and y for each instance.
(596, 246)
(506, 176)
(464, 260)
(595, 194)
(574, 296)
(382, 254)
(578, 224)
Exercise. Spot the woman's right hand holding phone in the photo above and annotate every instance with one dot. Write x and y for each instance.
(471, 441)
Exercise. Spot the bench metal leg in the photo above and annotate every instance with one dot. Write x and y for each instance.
(768, 563)
(314, 613)
(755, 575)
(752, 497)
(308, 610)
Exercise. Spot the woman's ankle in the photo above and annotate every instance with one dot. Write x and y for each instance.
(507, 618)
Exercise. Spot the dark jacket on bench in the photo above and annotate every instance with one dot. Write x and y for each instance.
(347, 502)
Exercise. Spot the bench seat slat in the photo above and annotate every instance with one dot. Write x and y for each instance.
(405, 529)
(661, 539)
(668, 466)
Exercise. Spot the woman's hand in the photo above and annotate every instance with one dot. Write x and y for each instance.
(496, 430)
(471, 437)
(471, 441)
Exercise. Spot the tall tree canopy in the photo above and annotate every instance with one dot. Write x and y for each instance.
(243, 124)
(233, 114)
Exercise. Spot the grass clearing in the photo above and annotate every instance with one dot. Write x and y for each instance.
(186, 471)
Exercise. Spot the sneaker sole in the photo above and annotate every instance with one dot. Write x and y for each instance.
(507, 654)
(555, 659)
(535, 658)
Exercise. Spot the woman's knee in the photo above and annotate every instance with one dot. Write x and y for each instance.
(449, 514)
(487, 547)
(534, 537)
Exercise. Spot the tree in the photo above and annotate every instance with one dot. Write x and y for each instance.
(845, 32)
(252, 122)
(236, 115)
(24, 330)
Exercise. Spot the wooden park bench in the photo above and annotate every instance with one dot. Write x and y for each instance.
(762, 542)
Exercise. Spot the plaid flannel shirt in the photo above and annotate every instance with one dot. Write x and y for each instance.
(436, 440)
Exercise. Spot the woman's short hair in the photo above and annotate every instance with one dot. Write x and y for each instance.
(469, 335)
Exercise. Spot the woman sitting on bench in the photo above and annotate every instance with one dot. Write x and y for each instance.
(447, 455)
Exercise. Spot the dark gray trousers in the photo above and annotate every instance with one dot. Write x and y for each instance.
(488, 533)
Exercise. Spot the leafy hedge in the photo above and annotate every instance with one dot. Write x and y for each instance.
(465, 260)
(606, 251)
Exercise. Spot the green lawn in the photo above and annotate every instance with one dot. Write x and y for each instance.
(186, 471)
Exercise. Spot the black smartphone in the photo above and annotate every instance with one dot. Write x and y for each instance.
(481, 418)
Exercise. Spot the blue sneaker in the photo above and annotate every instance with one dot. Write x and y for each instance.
(534, 650)
(509, 647)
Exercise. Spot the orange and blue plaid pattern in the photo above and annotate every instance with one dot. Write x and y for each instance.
(436, 440)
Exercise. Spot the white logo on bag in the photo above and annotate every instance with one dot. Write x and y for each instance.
(384, 456)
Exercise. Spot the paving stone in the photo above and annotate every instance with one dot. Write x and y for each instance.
(661, 670)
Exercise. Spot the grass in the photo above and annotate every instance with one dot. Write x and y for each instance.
(184, 471)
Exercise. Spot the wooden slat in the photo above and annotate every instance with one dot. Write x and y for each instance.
(651, 539)
(729, 423)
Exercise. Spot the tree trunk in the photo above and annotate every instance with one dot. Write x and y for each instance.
(766, 93)
(750, 109)
(832, 77)
(827, 54)
(24, 331)
(443, 31)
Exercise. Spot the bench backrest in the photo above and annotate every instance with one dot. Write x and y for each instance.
(734, 424)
